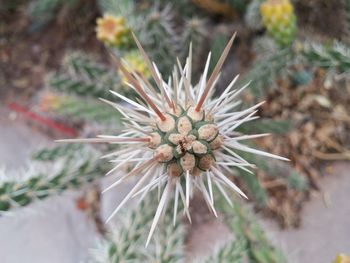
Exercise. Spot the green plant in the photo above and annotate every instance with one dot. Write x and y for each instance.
(78, 167)
(81, 75)
(126, 239)
(43, 11)
(333, 57)
(264, 78)
(245, 227)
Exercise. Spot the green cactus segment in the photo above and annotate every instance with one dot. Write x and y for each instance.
(128, 237)
(15, 194)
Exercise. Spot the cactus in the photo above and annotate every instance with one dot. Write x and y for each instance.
(234, 252)
(264, 78)
(78, 168)
(334, 57)
(244, 225)
(126, 239)
(44, 10)
(280, 21)
(83, 76)
(78, 108)
(252, 17)
(189, 141)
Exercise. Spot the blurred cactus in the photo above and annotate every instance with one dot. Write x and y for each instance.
(78, 108)
(81, 75)
(255, 188)
(217, 46)
(277, 127)
(264, 46)
(234, 251)
(44, 11)
(241, 222)
(55, 153)
(252, 16)
(126, 240)
(264, 78)
(194, 32)
(72, 172)
(161, 37)
(280, 21)
(335, 57)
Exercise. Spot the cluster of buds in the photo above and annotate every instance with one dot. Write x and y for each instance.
(279, 19)
(134, 62)
(113, 31)
(186, 141)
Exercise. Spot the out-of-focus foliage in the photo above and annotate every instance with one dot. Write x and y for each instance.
(73, 167)
(127, 237)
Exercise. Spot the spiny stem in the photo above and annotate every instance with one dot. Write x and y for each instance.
(105, 140)
(136, 170)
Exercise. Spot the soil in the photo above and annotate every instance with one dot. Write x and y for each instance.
(29, 49)
(325, 17)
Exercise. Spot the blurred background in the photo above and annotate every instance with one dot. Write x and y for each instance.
(54, 67)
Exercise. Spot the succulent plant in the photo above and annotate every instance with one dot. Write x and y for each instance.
(181, 137)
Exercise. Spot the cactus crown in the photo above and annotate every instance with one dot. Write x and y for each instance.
(186, 141)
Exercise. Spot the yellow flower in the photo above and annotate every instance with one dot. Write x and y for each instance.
(113, 31)
(341, 258)
(279, 20)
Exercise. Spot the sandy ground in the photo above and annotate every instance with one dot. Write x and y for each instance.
(56, 231)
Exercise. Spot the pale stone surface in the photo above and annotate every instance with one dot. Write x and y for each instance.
(17, 141)
(52, 231)
(325, 229)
